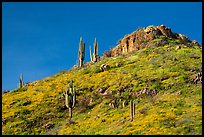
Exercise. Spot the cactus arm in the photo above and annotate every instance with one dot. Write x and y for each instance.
(66, 101)
(96, 47)
(83, 51)
(95, 54)
(131, 110)
(71, 84)
(21, 78)
(74, 97)
(91, 55)
(66, 98)
(79, 55)
(70, 113)
(70, 90)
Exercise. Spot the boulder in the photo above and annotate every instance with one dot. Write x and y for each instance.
(102, 90)
(104, 67)
(194, 42)
(178, 47)
(107, 92)
(125, 103)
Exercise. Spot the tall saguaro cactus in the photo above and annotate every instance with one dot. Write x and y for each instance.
(70, 98)
(94, 55)
(81, 53)
(21, 81)
(132, 110)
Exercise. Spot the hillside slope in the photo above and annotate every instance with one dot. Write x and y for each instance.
(173, 71)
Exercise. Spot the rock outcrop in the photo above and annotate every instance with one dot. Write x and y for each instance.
(146, 37)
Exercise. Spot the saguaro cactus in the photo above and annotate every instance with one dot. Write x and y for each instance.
(21, 81)
(132, 110)
(70, 98)
(94, 55)
(81, 53)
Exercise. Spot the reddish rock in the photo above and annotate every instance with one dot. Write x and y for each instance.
(144, 37)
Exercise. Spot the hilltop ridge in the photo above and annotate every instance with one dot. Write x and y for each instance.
(148, 36)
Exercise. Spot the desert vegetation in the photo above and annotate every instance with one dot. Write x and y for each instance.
(156, 90)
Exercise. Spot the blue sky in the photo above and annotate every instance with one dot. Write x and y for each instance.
(41, 39)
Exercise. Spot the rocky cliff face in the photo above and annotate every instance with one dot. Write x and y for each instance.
(146, 37)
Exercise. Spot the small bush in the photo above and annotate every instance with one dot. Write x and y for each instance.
(96, 70)
(86, 71)
(25, 112)
(107, 54)
(26, 103)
